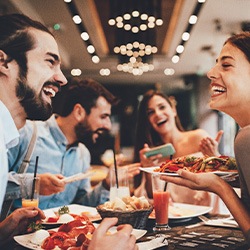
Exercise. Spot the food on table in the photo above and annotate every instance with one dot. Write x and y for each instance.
(39, 236)
(75, 234)
(199, 164)
(63, 215)
(63, 210)
(64, 218)
(126, 204)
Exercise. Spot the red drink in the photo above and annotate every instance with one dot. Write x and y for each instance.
(161, 203)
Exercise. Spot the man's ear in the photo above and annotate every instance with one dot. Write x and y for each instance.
(3, 61)
(79, 112)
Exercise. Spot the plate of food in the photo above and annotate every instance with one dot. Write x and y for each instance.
(221, 165)
(70, 234)
(64, 214)
(180, 211)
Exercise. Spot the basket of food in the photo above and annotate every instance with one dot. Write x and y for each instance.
(128, 210)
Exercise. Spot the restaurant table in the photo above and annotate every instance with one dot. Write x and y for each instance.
(180, 237)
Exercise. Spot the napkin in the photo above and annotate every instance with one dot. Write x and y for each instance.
(153, 244)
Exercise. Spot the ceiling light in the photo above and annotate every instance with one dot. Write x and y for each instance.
(143, 27)
(95, 59)
(77, 19)
(135, 29)
(85, 36)
(151, 19)
(91, 49)
(144, 16)
(135, 13)
(67, 1)
(76, 72)
(193, 19)
(185, 36)
(119, 25)
(175, 59)
(119, 19)
(180, 49)
(111, 22)
(127, 26)
(159, 22)
(169, 71)
(127, 16)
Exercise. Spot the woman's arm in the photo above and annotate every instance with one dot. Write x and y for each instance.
(212, 183)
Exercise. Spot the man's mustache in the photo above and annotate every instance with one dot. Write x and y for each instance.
(101, 131)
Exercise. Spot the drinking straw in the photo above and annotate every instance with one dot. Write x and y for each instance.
(165, 187)
(116, 172)
(34, 179)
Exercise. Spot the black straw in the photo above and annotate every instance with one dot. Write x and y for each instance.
(165, 187)
(116, 172)
(34, 180)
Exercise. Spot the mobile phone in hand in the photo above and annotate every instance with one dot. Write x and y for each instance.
(164, 150)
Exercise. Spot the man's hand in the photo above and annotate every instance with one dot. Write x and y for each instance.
(18, 222)
(121, 240)
(51, 183)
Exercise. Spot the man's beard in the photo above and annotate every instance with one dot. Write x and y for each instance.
(84, 133)
(34, 105)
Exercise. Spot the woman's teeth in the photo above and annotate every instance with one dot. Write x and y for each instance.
(217, 89)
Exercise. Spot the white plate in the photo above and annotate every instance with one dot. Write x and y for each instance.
(25, 240)
(91, 212)
(185, 211)
(152, 170)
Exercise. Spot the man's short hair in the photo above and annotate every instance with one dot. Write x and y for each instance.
(85, 92)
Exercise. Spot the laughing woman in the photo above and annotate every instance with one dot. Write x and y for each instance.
(230, 85)
(157, 124)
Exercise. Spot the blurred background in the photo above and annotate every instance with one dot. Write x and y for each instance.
(131, 46)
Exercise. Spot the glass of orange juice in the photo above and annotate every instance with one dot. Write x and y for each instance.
(30, 186)
(161, 203)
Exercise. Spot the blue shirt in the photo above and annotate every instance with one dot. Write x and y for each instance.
(56, 158)
(8, 138)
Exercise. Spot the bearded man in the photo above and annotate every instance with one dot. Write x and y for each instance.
(84, 115)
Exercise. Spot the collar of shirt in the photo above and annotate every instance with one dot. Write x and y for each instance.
(57, 133)
(11, 135)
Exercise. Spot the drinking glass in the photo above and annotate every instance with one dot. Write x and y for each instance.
(123, 183)
(30, 187)
(161, 203)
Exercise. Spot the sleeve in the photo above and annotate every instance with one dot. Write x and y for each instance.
(242, 155)
(85, 194)
(97, 196)
(17, 153)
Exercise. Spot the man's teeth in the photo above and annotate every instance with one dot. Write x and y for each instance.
(50, 91)
(218, 89)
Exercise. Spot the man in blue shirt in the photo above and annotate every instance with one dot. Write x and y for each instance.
(85, 114)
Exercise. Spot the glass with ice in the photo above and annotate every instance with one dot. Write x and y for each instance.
(122, 189)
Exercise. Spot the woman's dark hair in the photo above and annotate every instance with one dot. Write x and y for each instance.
(85, 92)
(15, 38)
(144, 131)
(242, 42)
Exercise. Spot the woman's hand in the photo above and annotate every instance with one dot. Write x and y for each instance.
(149, 161)
(209, 146)
(198, 181)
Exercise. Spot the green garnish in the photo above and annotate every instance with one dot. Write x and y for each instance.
(34, 226)
(63, 210)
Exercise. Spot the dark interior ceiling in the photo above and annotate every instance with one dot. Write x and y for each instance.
(217, 19)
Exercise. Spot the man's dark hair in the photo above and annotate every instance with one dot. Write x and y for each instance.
(15, 38)
(85, 92)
